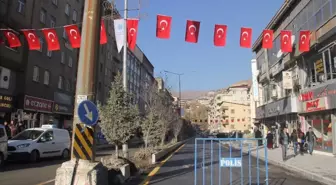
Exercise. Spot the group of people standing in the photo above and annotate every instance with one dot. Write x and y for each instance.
(13, 128)
(305, 142)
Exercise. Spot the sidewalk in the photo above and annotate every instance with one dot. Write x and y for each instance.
(315, 167)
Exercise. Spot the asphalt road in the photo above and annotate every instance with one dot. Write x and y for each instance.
(179, 169)
(40, 173)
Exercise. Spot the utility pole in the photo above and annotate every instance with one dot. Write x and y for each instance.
(125, 46)
(125, 146)
(87, 58)
(180, 93)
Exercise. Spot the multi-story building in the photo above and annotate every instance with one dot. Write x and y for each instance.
(39, 83)
(222, 108)
(306, 98)
(139, 76)
(110, 62)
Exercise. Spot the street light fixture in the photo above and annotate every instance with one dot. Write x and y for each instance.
(180, 96)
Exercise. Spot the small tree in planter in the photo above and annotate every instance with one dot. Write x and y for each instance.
(118, 117)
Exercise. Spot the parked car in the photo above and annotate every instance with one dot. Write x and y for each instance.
(3, 145)
(35, 143)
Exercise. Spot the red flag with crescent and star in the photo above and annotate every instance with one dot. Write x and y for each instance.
(286, 41)
(220, 35)
(132, 31)
(32, 39)
(52, 39)
(103, 37)
(304, 44)
(245, 37)
(267, 41)
(12, 39)
(163, 26)
(192, 31)
(73, 35)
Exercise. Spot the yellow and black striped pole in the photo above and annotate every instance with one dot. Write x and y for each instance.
(83, 144)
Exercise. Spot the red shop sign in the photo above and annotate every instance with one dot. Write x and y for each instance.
(316, 105)
(307, 96)
(38, 104)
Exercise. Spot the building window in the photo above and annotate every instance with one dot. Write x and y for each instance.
(36, 74)
(52, 21)
(43, 13)
(54, 2)
(46, 78)
(49, 54)
(70, 61)
(74, 16)
(67, 85)
(21, 6)
(60, 82)
(67, 9)
(63, 57)
(232, 111)
(41, 48)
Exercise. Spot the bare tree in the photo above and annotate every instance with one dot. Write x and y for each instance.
(177, 126)
(118, 116)
(150, 126)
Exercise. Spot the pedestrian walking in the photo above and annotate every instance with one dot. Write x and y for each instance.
(284, 140)
(269, 139)
(13, 127)
(310, 139)
(301, 141)
(8, 130)
(294, 139)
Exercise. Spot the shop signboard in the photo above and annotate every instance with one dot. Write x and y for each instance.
(62, 109)
(38, 104)
(316, 105)
(6, 103)
(328, 91)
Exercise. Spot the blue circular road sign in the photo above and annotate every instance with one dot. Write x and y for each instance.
(88, 113)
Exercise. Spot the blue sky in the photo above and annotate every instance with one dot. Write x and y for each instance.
(205, 66)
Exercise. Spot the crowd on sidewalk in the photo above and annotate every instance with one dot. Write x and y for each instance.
(299, 140)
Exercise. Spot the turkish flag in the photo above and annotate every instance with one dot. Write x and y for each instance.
(103, 37)
(192, 31)
(220, 35)
(73, 35)
(12, 39)
(32, 39)
(267, 41)
(132, 32)
(245, 37)
(52, 39)
(286, 41)
(304, 44)
(163, 25)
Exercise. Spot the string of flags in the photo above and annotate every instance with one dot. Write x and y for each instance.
(163, 30)
(216, 120)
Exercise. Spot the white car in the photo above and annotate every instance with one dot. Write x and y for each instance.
(3, 145)
(36, 143)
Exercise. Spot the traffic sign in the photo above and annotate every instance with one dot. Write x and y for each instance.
(88, 113)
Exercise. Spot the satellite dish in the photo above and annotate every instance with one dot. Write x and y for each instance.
(293, 39)
(279, 54)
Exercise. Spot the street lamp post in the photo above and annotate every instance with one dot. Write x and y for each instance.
(180, 94)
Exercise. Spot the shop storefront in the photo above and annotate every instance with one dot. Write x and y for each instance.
(319, 112)
(6, 107)
(63, 110)
(41, 109)
(281, 113)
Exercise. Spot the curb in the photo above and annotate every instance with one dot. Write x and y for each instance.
(309, 175)
(156, 157)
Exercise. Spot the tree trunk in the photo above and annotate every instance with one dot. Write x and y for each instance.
(125, 150)
(116, 151)
(146, 140)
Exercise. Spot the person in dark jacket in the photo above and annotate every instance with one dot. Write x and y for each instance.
(310, 139)
(8, 130)
(294, 139)
(269, 139)
(284, 141)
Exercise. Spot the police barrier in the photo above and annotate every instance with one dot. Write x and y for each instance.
(229, 161)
